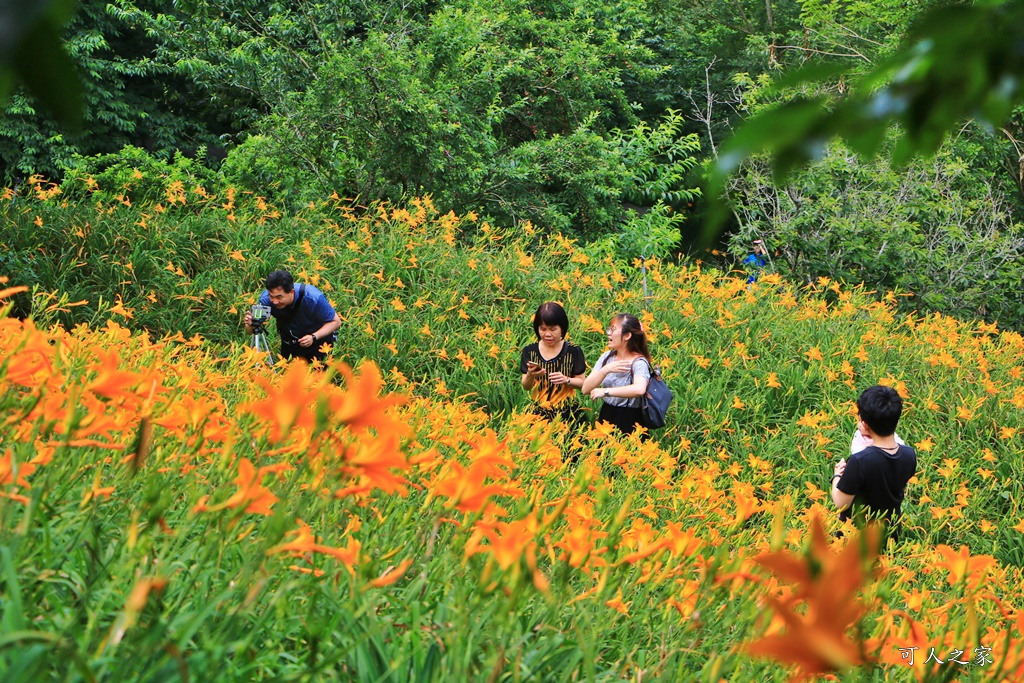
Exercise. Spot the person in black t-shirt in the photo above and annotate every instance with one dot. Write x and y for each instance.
(552, 368)
(873, 483)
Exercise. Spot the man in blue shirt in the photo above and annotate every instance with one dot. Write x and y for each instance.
(754, 263)
(305, 319)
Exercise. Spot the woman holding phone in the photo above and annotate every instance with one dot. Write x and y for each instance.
(621, 374)
(553, 368)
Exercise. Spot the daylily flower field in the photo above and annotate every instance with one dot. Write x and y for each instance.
(173, 509)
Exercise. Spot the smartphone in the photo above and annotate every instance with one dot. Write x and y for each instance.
(532, 366)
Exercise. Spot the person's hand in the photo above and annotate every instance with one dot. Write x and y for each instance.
(622, 365)
(536, 371)
(598, 393)
(306, 341)
(840, 467)
(558, 378)
(248, 319)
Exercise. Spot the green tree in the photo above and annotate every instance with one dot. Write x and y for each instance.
(128, 98)
(959, 62)
(937, 229)
(510, 107)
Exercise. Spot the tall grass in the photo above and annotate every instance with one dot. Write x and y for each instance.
(156, 487)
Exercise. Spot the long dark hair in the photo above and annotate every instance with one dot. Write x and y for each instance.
(637, 343)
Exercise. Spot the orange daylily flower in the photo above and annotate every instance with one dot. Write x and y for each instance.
(288, 403)
(645, 551)
(119, 309)
(11, 291)
(111, 381)
(251, 492)
(32, 359)
(746, 502)
(14, 472)
(579, 544)
(617, 604)
(682, 543)
(304, 542)
(601, 430)
(97, 491)
(375, 462)
(465, 487)
(133, 606)
(689, 594)
(391, 575)
(815, 639)
(972, 570)
(360, 405)
(509, 541)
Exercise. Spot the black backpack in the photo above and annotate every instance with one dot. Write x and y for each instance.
(655, 401)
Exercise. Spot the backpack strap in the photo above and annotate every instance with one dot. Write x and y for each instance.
(654, 371)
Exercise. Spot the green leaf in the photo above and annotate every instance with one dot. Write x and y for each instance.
(49, 74)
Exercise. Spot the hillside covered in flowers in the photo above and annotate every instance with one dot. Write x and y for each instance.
(173, 509)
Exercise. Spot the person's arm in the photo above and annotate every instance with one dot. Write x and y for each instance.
(328, 328)
(532, 375)
(321, 310)
(637, 388)
(530, 368)
(596, 376)
(579, 369)
(592, 385)
(842, 500)
(325, 330)
(576, 381)
(578, 373)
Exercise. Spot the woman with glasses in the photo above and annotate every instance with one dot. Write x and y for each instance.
(553, 368)
(621, 374)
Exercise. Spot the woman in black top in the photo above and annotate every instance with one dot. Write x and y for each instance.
(553, 369)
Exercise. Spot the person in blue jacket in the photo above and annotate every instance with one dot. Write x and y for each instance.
(754, 263)
(305, 319)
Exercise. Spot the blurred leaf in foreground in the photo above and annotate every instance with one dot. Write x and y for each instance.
(31, 53)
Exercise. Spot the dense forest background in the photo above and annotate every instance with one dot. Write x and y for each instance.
(591, 118)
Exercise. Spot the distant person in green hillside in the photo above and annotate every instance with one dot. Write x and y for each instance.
(553, 368)
(755, 262)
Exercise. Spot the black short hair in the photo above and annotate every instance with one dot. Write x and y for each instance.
(550, 314)
(280, 279)
(880, 408)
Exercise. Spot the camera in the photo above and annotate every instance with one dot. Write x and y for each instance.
(260, 315)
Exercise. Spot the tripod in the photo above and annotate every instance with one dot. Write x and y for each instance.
(259, 342)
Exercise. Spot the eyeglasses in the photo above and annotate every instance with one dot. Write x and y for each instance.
(611, 330)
